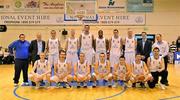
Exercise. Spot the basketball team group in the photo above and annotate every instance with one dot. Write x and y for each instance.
(90, 62)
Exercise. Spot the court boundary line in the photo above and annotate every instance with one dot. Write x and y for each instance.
(16, 95)
(118, 94)
(103, 98)
(168, 98)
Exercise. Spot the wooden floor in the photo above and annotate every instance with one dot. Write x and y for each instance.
(6, 90)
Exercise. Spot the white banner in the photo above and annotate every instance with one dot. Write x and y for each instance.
(58, 19)
(31, 19)
(121, 19)
(106, 6)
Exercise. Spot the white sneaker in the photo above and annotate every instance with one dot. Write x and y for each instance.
(162, 86)
(16, 85)
(25, 84)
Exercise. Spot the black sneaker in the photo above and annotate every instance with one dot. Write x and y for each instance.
(166, 84)
(78, 86)
(142, 85)
(134, 85)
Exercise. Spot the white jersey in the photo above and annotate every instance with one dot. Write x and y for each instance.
(130, 45)
(72, 45)
(86, 42)
(102, 68)
(121, 69)
(53, 45)
(82, 68)
(138, 68)
(41, 67)
(100, 45)
(62, 67)
(154, 64)
(116, 45)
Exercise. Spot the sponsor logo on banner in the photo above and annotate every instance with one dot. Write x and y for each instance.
(121, 19)
(52, 6)
(25, 6)
(4, 5)
(58, 19)
(31, 19)
(111, 6)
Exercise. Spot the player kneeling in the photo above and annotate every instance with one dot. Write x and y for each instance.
(82, 71)
(122, 72)
(103, 71)
(62, 71)
(140, 73)
(42, 71)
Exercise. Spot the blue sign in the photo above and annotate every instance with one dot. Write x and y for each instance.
(177, 56)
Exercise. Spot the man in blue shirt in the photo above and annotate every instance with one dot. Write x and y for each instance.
(21, 48)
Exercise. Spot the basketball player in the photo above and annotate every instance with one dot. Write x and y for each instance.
(115, 48)
(42, 71)
(130, 47)
(82, 71)
(86, 40)
(140, 72)
(164, 50)
(122, 71)
(102, 70)
(156, 66)
(62, 72)
(72, 50)
(101, 45)
(53, 48)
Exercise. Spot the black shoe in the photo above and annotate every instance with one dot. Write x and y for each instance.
(134, 85)
(166, 84)
(142, 85)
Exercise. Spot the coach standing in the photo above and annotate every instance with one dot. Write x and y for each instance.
(164, 50)
(144, 47)
(36, 47)
(21, 48)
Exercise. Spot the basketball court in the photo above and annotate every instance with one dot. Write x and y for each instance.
(41, 16)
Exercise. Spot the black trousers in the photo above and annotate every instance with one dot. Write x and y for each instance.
(1, 59)
(165, 70)
(156, 76)
(21, 64)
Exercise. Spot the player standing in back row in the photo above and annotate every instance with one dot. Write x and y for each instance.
(87, 44)
(130, 47)
(53, 48)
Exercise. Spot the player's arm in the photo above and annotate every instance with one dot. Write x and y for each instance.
(93, 42)
(161, 65)
(80, 38)
(78, 45)
(66, 45)
(88, 69)
(34, 67)
(75, 69)
(96, 68)
(149, 63)
(107, 44)
(47, 47)
(128, 69)
(109, 68)
(132, 69)
(135, 43)
(59, 45)
(55, 69)
(115, 69)
(145, 68)
(110, 44)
